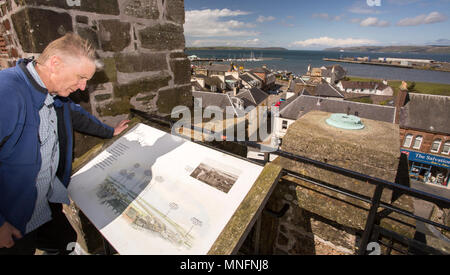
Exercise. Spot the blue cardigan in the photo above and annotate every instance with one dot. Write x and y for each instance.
(20, 159)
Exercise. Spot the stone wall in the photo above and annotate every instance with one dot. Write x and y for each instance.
(140, 42)
(320, 221)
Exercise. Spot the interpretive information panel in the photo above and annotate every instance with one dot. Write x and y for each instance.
(154, 193)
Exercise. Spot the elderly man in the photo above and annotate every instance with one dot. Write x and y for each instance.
(36, 129)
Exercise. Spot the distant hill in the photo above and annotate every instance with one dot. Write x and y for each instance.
(235, 48)
(395, 49)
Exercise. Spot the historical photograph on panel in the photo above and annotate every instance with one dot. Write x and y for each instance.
(216, 175)
(153, 193)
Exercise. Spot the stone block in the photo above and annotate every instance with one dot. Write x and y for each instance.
(181, 70)
(147, 9)
(108, 74)
(90, 35)
(140, 62)
(168, 99)
(102, 97)
(82, 19)
(147, 84)
(162, 37)
(103, 6)
(117, 107)
(36, 28)
(7, 25)
(114, 35)
(175, 11)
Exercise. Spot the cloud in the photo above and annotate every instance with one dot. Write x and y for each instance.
(324, 42)
(361, 7)
(214, 23)
(374, 22)
(262, 19)
(433, 17)
(328, 17)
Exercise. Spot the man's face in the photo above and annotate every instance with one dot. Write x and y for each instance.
(72, 74)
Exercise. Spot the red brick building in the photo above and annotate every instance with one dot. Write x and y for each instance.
(425, 136)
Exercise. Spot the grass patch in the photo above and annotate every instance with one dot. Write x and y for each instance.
(421, 87)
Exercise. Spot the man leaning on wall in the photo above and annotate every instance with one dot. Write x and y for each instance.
(37, 120)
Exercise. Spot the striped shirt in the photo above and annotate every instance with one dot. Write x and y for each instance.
(49, 187)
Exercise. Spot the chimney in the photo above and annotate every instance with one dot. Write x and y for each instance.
(400, 100)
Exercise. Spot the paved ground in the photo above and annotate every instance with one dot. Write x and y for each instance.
(436, 190)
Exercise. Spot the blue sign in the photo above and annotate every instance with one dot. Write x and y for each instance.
(427, 158)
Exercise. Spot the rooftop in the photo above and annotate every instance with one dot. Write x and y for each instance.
(301, 105)
(425, 112)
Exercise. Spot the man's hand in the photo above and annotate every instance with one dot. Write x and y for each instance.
(7, 232)
(120, 127)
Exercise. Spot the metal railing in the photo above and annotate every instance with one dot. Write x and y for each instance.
(373, 231)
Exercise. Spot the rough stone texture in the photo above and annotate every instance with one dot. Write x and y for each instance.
(103, 6)
(162, 37)
(182, 70)
(117, 107)
(36, 28)
(148, 84)
(168, 99)
(141, 62)
(90, 35)
(175, 11)
(114, 35)
(373, 151)
(82, 19)
(147, 9)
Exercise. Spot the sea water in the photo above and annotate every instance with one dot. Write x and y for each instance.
(297, 62)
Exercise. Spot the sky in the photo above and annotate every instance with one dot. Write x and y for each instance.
(315, 25)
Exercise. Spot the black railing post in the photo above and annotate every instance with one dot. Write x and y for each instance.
(371, 218)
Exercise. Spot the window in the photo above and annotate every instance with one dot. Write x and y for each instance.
(284, 125)
(435, 146)
(417, 142)
(408, 140)
(446, 149)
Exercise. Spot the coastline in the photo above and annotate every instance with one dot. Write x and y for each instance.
(375, 63)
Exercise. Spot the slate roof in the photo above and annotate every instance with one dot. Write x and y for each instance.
(363, 85)
(429, 113)
(197, 86)
(304, 104)
(213, 99)
(260, 71)
(254, 96)
(246, 78)
(338, 70)
(218, 68)
(326, 90)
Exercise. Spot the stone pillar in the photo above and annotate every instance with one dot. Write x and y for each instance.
(320, 221)
(140, 42)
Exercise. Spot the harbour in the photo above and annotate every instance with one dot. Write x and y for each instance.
(297, 62)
